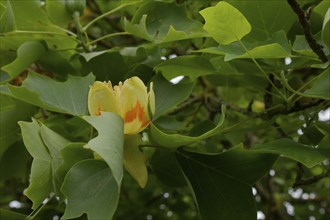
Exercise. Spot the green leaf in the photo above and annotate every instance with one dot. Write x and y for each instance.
(10, 215)
(166, 168)
(37, 27)
(32, 140)
(168, 95)
(267, 17)
(99, 65)
(13, 163)
(54, 144)
(41, 184)
(57, 12)
(191, 66)
(324, 146)
(72, 154)
(225, 23)
(44, 146)
(177, 140)
(66, 97)
(109, 143)
(27, 54)
(7, 22)
(276, 47)
(11, 112)
(302, 153)
(321, 86)
(301, 46)
(134, 159)
(139, 30)
(91, 55)
(90, 188)
(269, 51)
(163, 22)
(326, 29)
(221, 183)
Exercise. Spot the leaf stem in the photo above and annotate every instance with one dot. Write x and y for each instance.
(80, 32)
(286, 84)
(107, 13)
(107, 36)
(36, 212)
(261, 69)
(39, 32)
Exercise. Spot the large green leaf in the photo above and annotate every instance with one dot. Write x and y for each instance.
(7, 22)
(41, 171)
(166, 168)
(275, 47)
(11, 215)
(221, 183)
(177, 140)
(27, 54)
(58, 13)
(36, 27)
(90, 188)
(105, 66)
(191, 66)
(301, 46)
(163, 22)
(54, 144)
(11, 112)
(168, 95)
(326, 29)
(269, 51)
(321, 86)
(267, 17)
(139, 30)
(44, 145)
(225, 23)
(72, 154)
(66, 97)
(14, 162)
(304, 154)
(109, 143)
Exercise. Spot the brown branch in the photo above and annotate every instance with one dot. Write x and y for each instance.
(311, 180)
(301, 182)
(303, 20)
(186, 104)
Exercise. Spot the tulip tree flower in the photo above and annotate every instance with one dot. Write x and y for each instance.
(131, 101)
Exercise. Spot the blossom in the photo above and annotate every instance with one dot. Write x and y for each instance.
(130, 100)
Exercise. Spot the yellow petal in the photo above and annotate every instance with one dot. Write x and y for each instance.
(133, 103)
(134, 161)
(101, 98)
(151, 99)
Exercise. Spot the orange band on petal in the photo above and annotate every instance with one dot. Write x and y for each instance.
(136, 112)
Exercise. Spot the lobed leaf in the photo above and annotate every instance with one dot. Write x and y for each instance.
(222, 183)
(177, 140)
(225, 23)
(302, 153)
(109, 144)
(90, 188)
(66, 97)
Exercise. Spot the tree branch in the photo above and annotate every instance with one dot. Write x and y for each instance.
(303, 19)
(301, 182)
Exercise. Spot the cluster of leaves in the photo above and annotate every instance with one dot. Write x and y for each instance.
(214, 134)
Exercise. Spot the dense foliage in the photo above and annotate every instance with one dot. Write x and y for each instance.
(241, 124)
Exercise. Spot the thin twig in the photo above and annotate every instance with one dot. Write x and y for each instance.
(186, 104)
(303, 20)
(301, 182)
